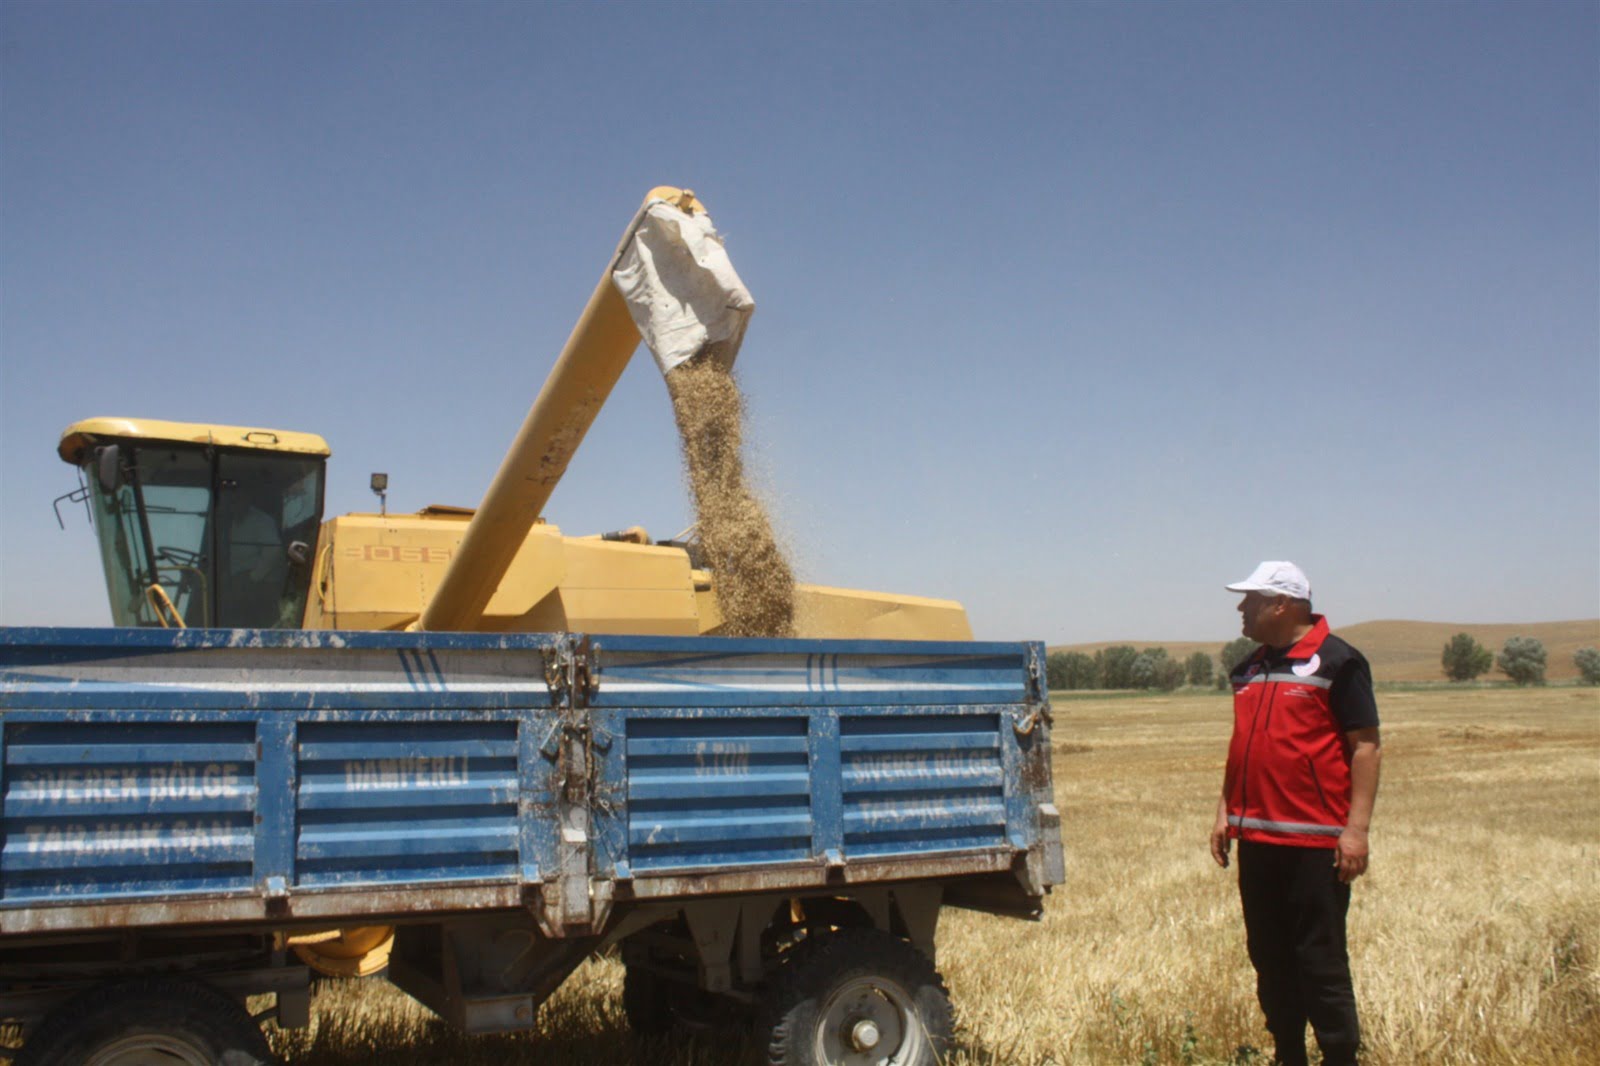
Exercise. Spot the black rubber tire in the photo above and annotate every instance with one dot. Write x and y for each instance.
(190, 1021)
(842, 978)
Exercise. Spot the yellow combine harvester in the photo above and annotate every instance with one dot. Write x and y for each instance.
(221, 526)
(211, 525)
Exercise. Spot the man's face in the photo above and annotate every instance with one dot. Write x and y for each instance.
(1260, 613)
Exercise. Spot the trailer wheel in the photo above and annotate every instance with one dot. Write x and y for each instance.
(858, 997)
(146, 1023)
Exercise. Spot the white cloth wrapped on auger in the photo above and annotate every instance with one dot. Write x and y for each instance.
(681, 288)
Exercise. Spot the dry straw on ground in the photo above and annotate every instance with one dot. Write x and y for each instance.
(754, 583)
(1474, 938)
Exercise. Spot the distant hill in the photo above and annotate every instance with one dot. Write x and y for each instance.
(1409, 651)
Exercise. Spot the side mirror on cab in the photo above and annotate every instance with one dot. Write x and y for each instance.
(108, 467)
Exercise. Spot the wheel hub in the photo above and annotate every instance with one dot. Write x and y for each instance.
(869, 1021)
(864, 1035)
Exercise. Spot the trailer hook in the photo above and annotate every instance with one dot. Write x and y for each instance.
(1025, 726)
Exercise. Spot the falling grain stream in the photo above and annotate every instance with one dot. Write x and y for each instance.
(754, 582)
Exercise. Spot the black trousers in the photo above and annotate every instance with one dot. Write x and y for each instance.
(1294, 913)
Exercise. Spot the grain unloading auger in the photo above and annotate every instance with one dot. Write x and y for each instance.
(221, 526)
(670, 280)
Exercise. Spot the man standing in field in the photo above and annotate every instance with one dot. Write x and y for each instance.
(1298, 793)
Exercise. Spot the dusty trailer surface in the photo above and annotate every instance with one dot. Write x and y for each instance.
(768, 827)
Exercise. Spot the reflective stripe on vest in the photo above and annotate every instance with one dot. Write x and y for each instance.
(1291, 679)
(1285, 827)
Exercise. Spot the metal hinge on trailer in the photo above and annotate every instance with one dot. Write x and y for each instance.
(558, 670)
(1038, 687)
(570, 901)
(1038, 696)
(572, 671)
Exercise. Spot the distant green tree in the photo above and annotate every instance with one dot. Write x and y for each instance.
(1464, 658)
(1523, 660)
(1080, 670)
(1232, 654)
(1199, 668)
(1154, 668)
(1145, 668)
(1587, 660)
(1055, 670)
(1113, 666)
(1170, 674)
(1069, 670)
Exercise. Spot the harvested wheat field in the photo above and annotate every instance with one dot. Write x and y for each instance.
(1474, 938)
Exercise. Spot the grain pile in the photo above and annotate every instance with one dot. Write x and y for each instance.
(753, 580)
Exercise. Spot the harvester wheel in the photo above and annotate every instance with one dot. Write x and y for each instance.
(146, 1022)
(858, 997)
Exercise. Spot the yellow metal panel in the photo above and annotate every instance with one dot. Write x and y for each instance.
(539, 566)
(705, 599)
(549, 615)
(604, 587)
(378, 572)
(617, 564)
(852, 614)
(612, 587)
(639, 612)
(80, 435)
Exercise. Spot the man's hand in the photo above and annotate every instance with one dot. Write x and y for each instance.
(1366, 752)
(1350, 854)
(1220, 845)
(1219, 836)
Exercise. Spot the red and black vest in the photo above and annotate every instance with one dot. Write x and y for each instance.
(1288, 778)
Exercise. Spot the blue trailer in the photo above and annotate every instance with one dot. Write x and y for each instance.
(768, 827)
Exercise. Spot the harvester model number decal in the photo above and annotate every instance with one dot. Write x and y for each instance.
(396, 553)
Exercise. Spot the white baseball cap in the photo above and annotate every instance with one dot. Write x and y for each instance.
(1278, 578)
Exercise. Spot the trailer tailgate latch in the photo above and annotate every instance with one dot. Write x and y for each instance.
(1026, 724)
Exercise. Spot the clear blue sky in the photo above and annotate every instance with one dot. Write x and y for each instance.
(1072, 312)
